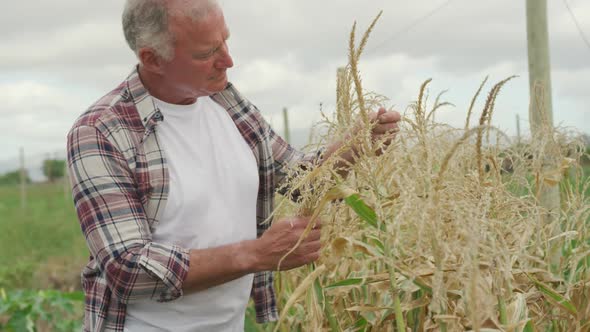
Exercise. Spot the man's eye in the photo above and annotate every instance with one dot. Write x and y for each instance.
(202, 56)
(206, 55)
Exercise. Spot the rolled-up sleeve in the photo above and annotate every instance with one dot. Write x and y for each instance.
(114, 222)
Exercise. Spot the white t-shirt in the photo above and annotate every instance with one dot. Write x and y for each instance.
(212, 202)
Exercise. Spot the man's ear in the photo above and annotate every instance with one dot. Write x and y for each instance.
(150, 60)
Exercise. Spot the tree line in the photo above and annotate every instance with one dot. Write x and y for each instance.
(53, 169)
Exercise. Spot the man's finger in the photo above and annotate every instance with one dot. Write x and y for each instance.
(314, 235)
(385, 128)
(315, 245)
(298, 222)
(317, 223)
(387, 117)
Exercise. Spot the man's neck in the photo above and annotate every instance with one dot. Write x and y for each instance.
(157, 87)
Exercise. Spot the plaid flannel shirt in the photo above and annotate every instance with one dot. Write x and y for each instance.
(120, 185)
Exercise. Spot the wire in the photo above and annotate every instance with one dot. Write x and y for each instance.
(410, 26)
(577, 24)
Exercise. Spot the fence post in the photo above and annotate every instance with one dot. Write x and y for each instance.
(66, 180)
(286, 125)
(23, 180)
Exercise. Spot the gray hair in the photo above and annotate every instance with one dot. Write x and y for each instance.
(146, 22)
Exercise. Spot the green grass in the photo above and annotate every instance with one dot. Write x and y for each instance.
(519, 190)
(41, 241)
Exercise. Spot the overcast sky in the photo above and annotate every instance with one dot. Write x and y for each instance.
(58, 57)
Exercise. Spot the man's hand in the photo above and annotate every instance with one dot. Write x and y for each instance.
(281, 237)
(215, 266)
(384, 130)
(385, 125)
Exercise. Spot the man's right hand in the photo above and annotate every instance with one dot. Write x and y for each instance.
(280, 239)
(214, 266)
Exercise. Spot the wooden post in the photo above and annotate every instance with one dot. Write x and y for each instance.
(539, 64)
(541, 114)
(66, 180)
(311, 134)
(286, 124)
(23, 179)
(541, 117)
(518, 129)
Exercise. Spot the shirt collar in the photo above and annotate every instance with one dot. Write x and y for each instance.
(149, 113)
(144, 103)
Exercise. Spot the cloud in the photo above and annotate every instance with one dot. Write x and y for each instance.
(67, 44)
(37, 116)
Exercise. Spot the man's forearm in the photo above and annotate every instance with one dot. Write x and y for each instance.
(214, 266)
(276, 248)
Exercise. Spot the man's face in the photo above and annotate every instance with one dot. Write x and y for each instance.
(201, 56)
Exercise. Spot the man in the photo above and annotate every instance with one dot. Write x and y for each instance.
(173, 176)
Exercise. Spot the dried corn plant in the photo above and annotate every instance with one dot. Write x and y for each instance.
(443, 230)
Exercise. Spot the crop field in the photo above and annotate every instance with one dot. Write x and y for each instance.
(42, 249)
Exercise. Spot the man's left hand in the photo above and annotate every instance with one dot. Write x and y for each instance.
(386, 125)
(384, 130)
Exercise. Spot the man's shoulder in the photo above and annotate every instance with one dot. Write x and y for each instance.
(114, 109)
(237, 104)
(230, 97)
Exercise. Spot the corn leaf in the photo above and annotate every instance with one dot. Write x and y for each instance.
(362, 209)
(379, 244)
(366, 308)
(553, 295)
(529, 327)
(298, 292)
(361, 324)
(346, 282)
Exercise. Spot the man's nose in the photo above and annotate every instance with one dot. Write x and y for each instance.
(225, 60)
